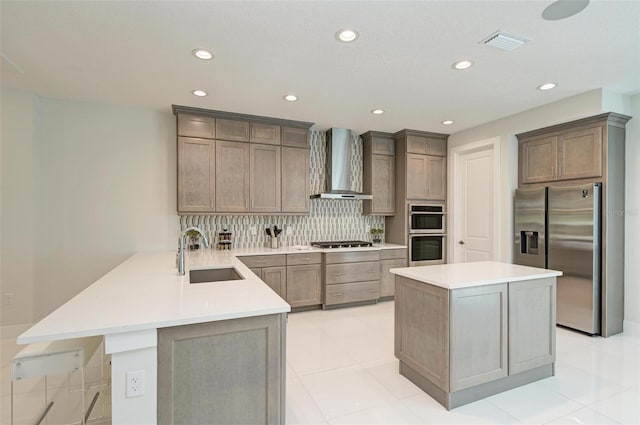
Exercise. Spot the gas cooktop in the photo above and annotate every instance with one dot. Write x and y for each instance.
(341, 244)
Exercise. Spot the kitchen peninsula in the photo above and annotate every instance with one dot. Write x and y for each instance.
(466, 331)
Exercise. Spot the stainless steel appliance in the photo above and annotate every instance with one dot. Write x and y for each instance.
(560, 228)
(341, 244)
(427, 218)
(426, 250)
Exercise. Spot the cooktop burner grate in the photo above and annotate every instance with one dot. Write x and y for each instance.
(341, 244)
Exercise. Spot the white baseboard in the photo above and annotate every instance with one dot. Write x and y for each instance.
(13, 331)
(631, 329)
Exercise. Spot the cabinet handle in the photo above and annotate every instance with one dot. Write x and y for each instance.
(337, 294)
(338, 274)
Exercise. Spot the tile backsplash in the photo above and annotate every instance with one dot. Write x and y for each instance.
(328, 220)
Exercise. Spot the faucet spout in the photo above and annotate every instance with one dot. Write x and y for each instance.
(181, 247)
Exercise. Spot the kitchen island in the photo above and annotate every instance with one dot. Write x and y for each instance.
(470, 330)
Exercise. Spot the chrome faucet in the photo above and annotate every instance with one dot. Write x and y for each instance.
(181, 247)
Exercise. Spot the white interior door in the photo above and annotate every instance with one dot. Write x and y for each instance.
(475, 203)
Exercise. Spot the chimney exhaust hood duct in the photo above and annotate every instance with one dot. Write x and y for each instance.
(338, 170)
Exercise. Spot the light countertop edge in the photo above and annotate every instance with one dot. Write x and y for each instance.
(465, 275)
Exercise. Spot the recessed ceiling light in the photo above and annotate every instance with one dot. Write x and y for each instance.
(199, 93)
(547, 86)
(290, 97)
(463, 64)
(347, 35)
(377, 111)
(563, 9)
(202, 54)
(447, 122)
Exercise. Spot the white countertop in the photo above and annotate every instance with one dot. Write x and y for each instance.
(464, 275)
(145, 292)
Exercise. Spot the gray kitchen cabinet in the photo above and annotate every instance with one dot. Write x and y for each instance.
(478, 332)
(296, 137)
(436, 177)
(304, 284)
(416, 177)
(378, 176)
(425, 145)
(232, 186)
(532, 324)
(538, 160)
(265, 133)
(351, 277)
(196, 126)
(196, 170)
(390, 259)
(295, 169)
(580, 154)
(271, 269)
(233, 130)
(265, 178)
(202, 379)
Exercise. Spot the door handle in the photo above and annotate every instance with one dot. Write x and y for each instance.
(460, 242)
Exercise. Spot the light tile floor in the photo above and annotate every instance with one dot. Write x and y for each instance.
(341, 370)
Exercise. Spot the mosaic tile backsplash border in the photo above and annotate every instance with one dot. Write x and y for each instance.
(328, 219)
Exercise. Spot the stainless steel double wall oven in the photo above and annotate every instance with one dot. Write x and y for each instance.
(427, 237)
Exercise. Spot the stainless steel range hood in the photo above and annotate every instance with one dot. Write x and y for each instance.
(338, 170)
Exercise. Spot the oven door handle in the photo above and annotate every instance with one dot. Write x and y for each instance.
(426, 213)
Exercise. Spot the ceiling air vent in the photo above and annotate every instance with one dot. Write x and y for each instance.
(504, 41)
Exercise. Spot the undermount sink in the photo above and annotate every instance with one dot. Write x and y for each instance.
(214, 275)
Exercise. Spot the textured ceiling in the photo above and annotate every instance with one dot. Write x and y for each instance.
(138, 53)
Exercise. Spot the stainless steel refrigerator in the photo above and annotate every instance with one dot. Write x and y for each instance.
(560, 228)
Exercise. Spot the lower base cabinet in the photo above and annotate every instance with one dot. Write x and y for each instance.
(225, 372)
(304, 286)
(390, 259)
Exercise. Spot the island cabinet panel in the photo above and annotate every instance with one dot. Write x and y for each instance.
(232, 176)
(295, 180)
(479, 323)
(265, 178)
(196, 126)
(304, 285)
(532, 324)
(203, 380)
(422, 330)
(196, 170)
(580, 154)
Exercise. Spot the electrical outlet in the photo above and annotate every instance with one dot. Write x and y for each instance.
(289, 230)
(135, 383)
(254, 231)
(9, 298)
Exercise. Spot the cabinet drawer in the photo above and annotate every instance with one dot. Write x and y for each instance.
(265, 133)
(352, 292)
(259, 261)
(391, 254)
(196, 126)
(351, 257)
(298, 259)
(351, 272)
(232, 130)
(296, 137)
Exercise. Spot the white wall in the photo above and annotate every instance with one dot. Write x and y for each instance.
(580, 106)
(102, 185)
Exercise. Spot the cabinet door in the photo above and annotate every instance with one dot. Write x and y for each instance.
(478, 321)
(417, 144)
(296, 137)
(202, 379)
(265, 178)
(387, 280)
(417, 176)
(538, 160)
(580, 154)
(196, 171)
(532, 324)
(265, 133)
(295, 180)
(232, 176)
(436, 177)
(436, 147)
(232, 130)
(304, 285)
(276, 278)
(383, 184)
(196, 126)
(383, 146)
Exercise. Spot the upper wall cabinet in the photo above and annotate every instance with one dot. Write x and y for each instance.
(571, 151)
(379, 175)
(233, 163)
